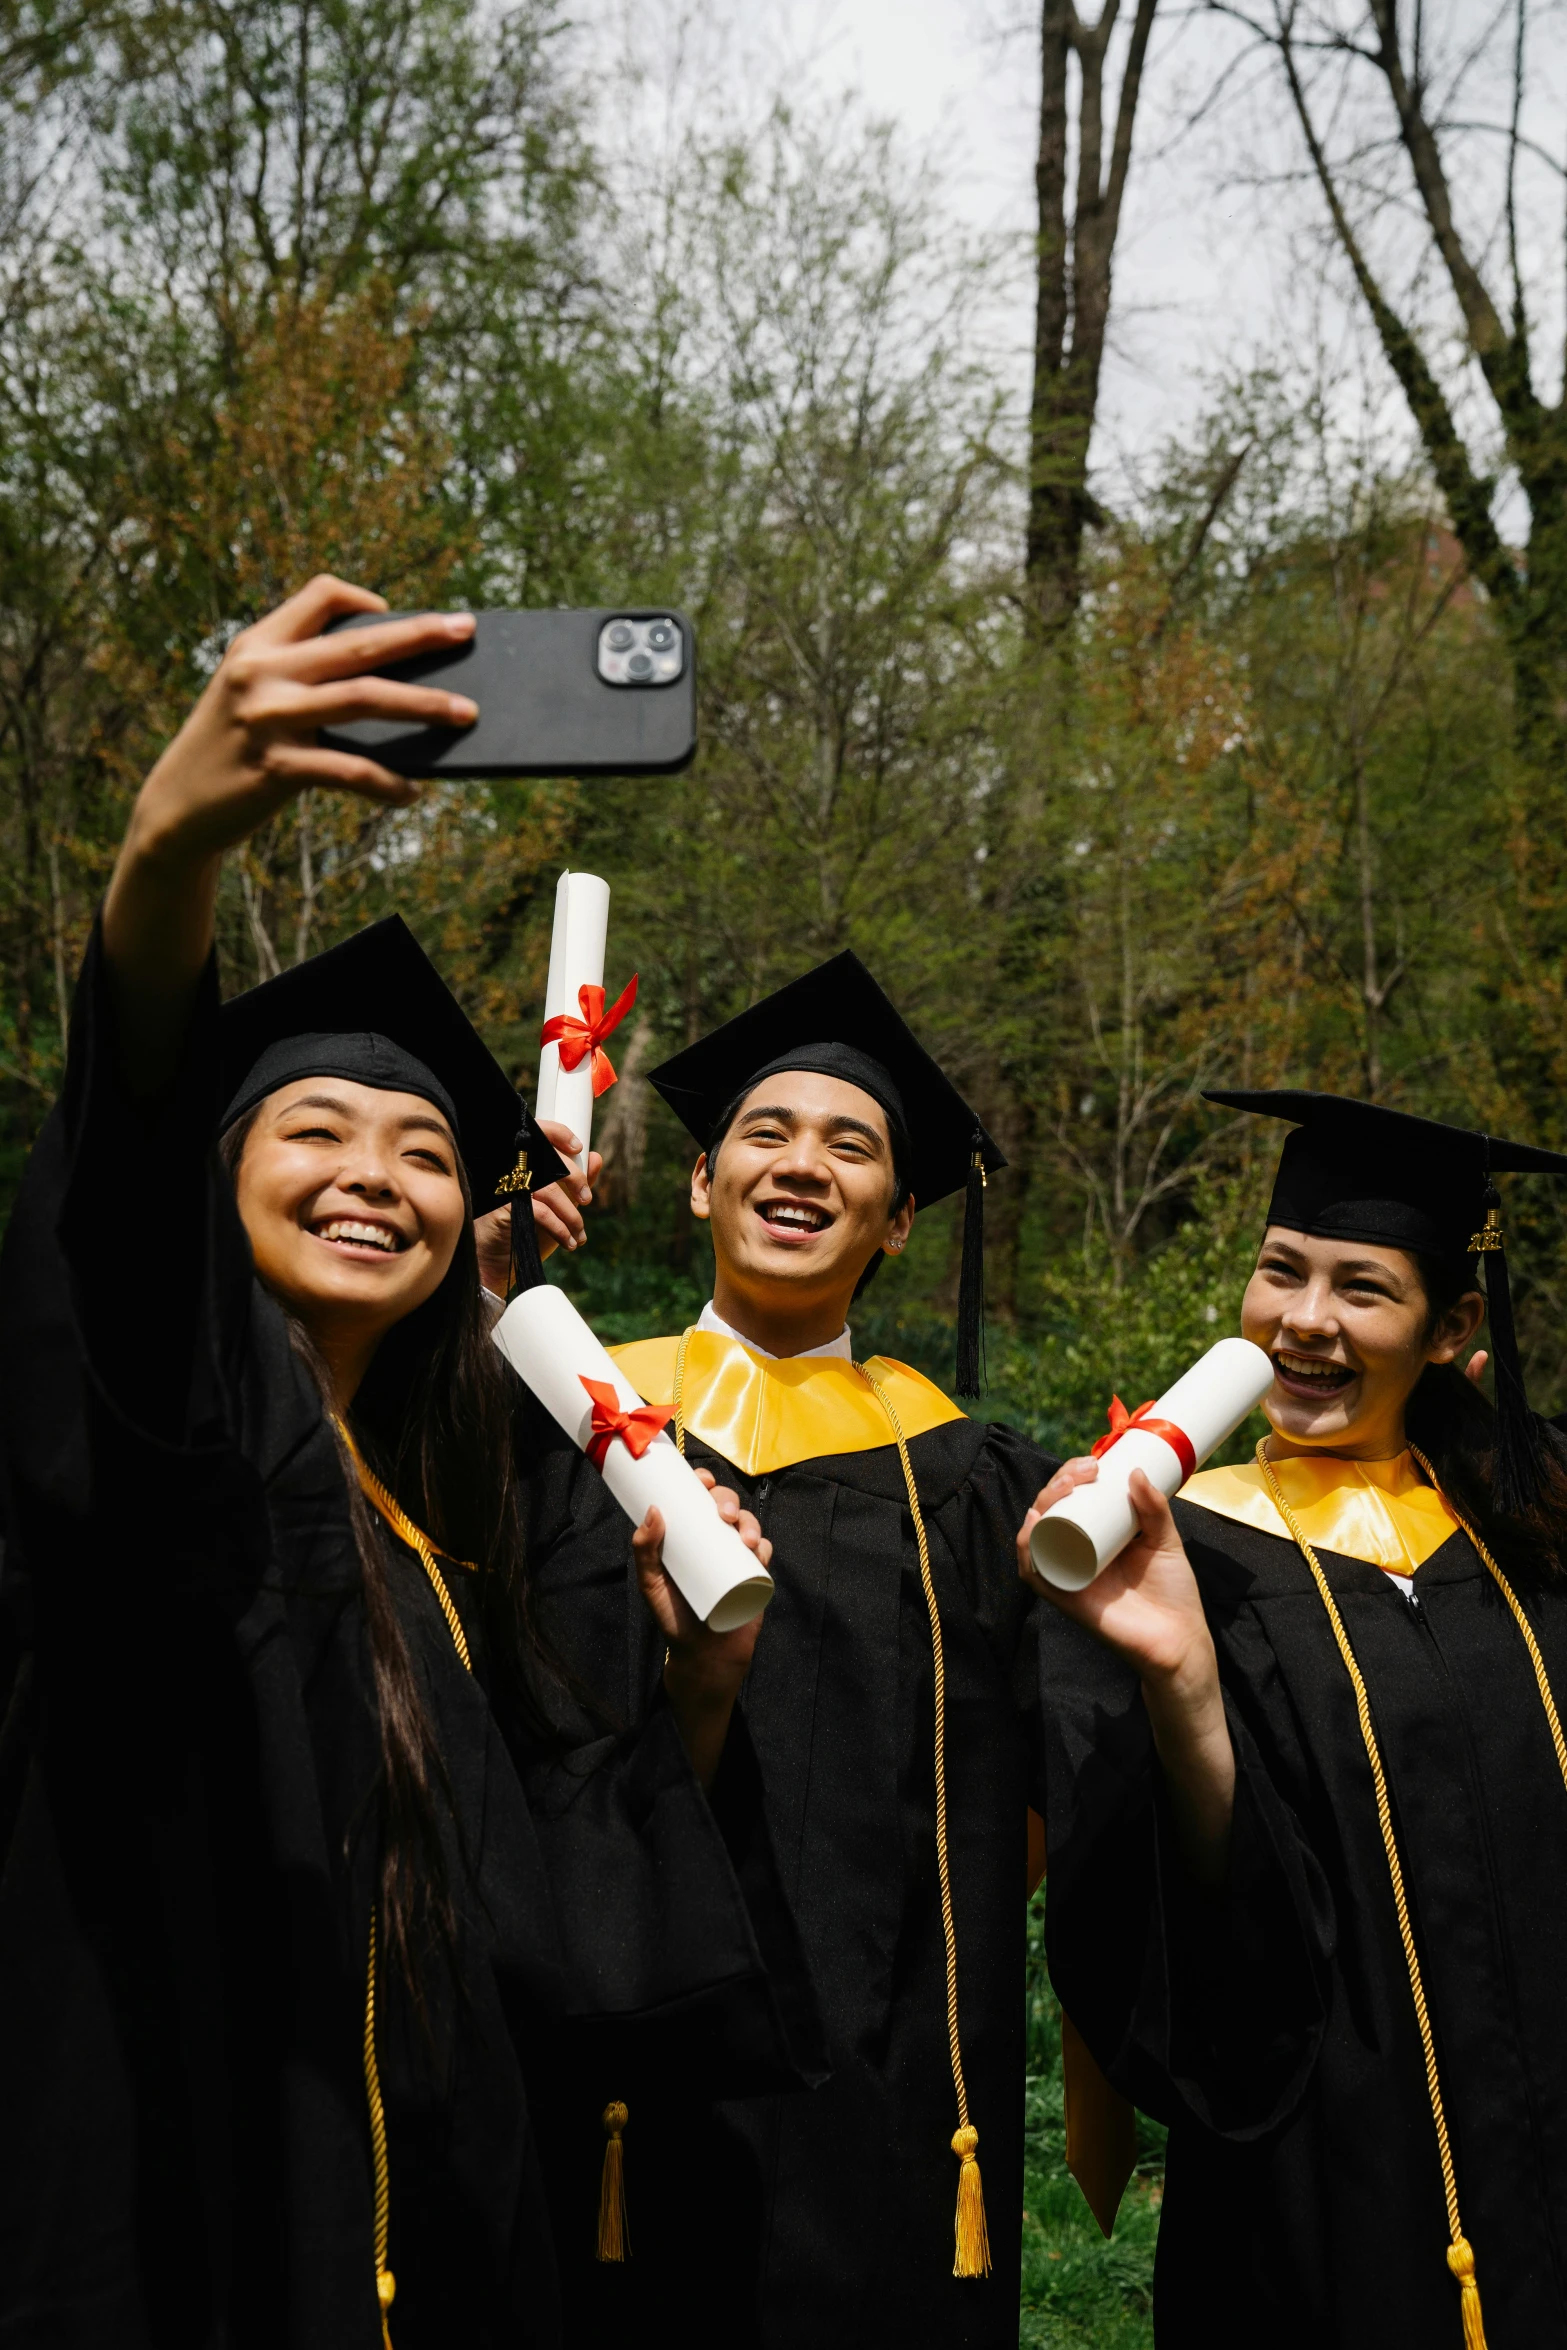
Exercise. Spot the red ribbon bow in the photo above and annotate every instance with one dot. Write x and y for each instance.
(1121, 1420)
(636, 1429)
(577, 1038)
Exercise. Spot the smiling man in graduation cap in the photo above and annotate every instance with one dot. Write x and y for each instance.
(1308, 1785)
(892, 1700)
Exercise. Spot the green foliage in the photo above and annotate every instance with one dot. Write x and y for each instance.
(1078, 2288)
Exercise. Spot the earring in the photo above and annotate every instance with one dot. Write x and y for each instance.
(896, 1245)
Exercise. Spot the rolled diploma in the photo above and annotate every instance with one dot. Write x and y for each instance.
(576, 961)
(1076, 1540)
(551, 1348)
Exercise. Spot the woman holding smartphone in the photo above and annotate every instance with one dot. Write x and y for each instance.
(309, 1854)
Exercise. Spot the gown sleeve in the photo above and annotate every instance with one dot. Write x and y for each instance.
(128, 1279)
(1210, 2006)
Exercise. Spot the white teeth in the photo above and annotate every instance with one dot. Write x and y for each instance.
(808, 1219)
(1311, 1367)
(363, 1235)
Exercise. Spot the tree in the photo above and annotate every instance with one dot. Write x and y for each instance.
(1075, 253)
(1388, 123)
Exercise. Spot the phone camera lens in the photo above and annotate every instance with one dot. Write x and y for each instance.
(661, 636)
(640, 665)
(620, 636)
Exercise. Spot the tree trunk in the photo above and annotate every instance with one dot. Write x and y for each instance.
(1072, 292)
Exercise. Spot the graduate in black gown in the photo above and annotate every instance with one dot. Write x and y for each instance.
(312, 1859)
(823, 1125)
(1308, 1787)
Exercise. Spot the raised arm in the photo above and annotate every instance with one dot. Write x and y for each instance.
(247, 748)
(1147, 1607)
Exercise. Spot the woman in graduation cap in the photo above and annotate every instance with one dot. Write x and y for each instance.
(310, 1855)
(1308, 1786)
(892, 1700)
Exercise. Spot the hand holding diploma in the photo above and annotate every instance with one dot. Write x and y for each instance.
(703, 1669)
(1110, 1558)
(1147, 1607)
(551, 1348)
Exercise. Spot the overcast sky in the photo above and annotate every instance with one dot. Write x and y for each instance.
(1212, 273)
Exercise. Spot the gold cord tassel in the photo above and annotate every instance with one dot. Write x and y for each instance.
(971, 2237)
(614, 2235)
(1462, 2263)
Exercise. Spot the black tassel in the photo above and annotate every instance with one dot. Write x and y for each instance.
(527, 1267)
(1518, 1483)
(971, 1279)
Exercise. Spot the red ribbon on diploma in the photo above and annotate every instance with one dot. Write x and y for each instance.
(636, 1430)
(577, 1038)
(1121, 1420)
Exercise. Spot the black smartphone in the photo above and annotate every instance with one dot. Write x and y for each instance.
(559, 693)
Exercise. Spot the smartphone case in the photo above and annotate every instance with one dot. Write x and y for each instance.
(543, 708)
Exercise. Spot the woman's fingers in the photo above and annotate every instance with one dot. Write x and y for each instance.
(354, 698)
(347, 651)
(307, 611)
(294, 766)
(1080, 1471)
(555, 1213)
(569, 1146)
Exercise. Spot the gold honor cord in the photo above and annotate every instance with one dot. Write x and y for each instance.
(385, 2282)
(424, 1550)
(971, 2239)
(1460, 2258)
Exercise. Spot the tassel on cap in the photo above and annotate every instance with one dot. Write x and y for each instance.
(614, 2236)
(971, 1279)
(1517, 1483)
(1461, 2261)
(527, 1267)
(971, 2237)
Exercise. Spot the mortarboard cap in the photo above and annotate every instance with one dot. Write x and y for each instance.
(376, 1010)
(1355, 1171)
(836, 1020)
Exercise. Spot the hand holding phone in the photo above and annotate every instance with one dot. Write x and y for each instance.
(602, 692)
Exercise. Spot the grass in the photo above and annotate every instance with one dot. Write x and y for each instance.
(1079, 2291)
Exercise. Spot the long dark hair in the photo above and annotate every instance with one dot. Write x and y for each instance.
(1455, 1426)
(437, 1419)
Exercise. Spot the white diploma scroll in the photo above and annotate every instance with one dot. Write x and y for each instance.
(576, 961)
(1076, 1540)
(551, 1348)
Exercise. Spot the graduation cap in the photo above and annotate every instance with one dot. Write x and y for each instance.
(836, 1021)
(376, 1010)
(1356, 1171)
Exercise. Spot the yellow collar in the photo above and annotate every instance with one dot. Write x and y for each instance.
(763, 1414)
(1381, 1511)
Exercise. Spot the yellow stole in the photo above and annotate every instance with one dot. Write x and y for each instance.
(764, 1415)
(1381, 1511)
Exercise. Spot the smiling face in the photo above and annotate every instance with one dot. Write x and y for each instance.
(354, 1205)
(1349, 1330)
(801, 1195)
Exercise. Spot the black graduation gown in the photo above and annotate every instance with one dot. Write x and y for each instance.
(833, 2214)
(1275, 2030)
(189, 1773)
